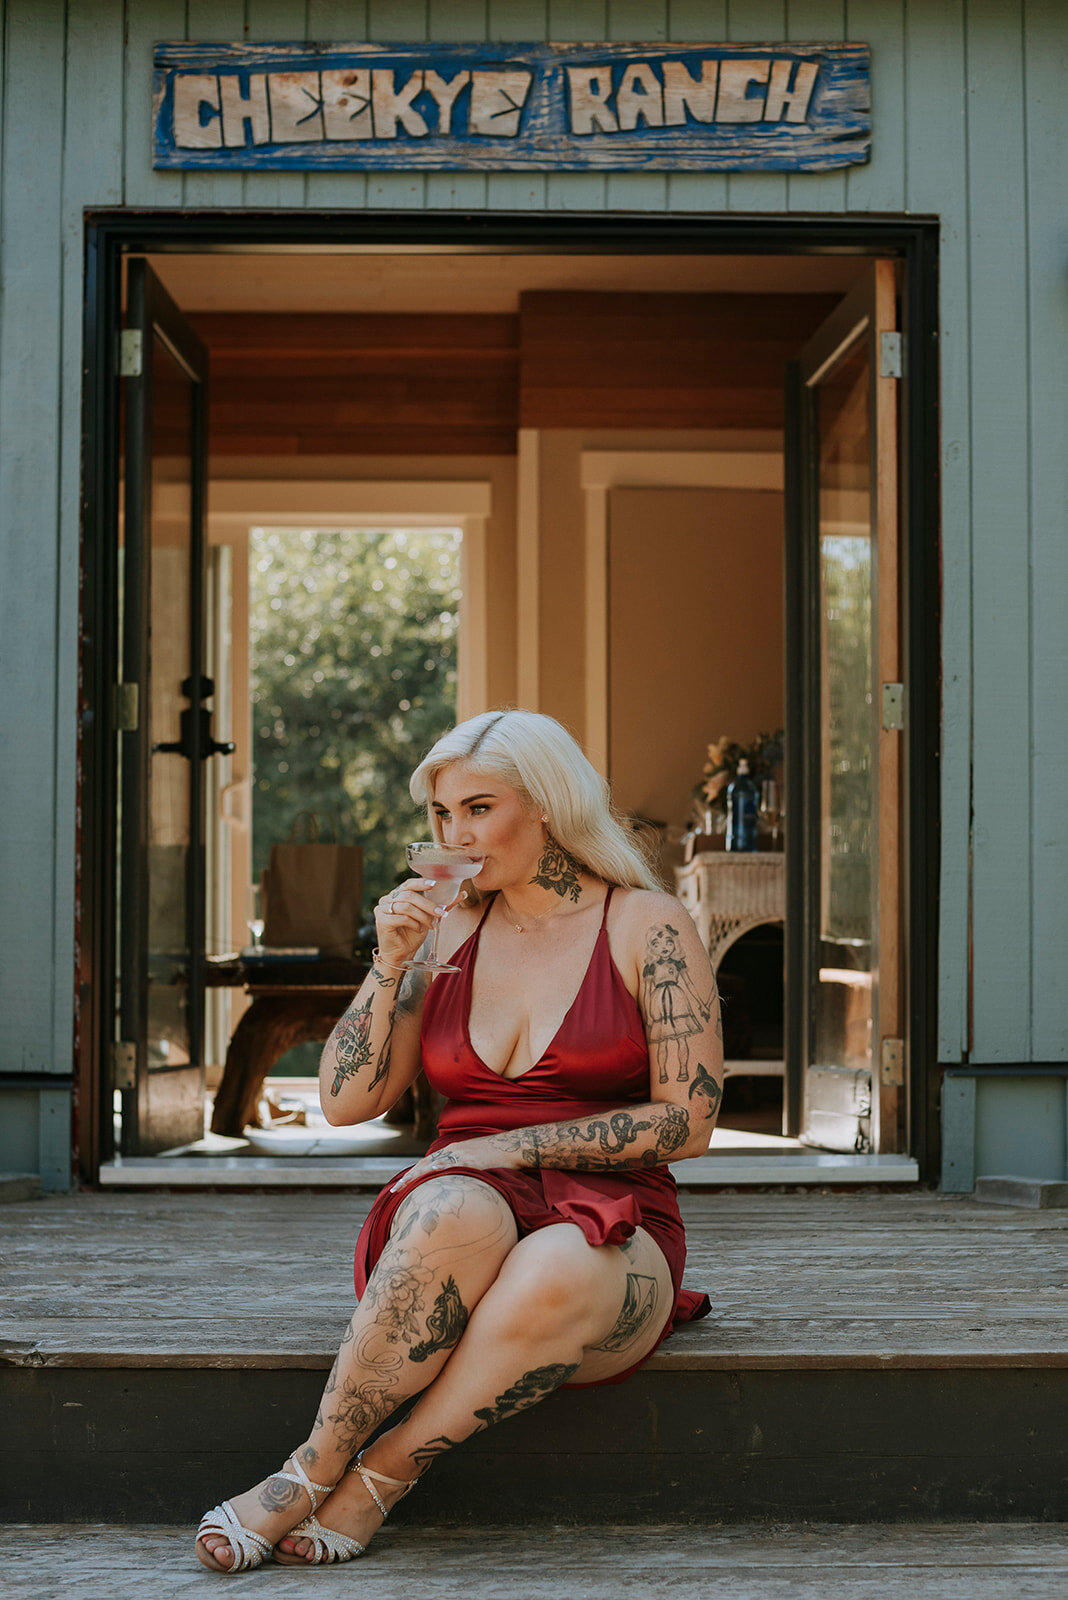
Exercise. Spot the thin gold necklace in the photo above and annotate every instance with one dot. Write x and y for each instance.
(518, 926)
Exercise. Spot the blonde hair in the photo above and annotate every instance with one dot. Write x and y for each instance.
(537, 756)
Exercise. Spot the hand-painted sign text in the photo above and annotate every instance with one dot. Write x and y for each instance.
(563, 107)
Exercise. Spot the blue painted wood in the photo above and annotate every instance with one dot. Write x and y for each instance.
(818, 191)
(335, 19)
(694, 19)
(211, 20)
(506, 107)
(958, 1133)
(132, 94)
(878, 185)
(1046, 72)
(756, 20)
(32, 411)
(1001, 580)
(934, 70)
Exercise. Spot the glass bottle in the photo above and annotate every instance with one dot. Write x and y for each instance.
(742, 800)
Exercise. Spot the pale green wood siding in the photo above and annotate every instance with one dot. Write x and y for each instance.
(969, 124)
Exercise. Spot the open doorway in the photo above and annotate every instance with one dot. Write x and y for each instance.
(595, 450)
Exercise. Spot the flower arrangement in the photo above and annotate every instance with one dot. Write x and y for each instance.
(764, 756)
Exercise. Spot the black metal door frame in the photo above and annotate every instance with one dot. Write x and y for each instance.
(112, 234)
(151, 311)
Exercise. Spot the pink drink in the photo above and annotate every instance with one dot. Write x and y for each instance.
(447, 880)
(443, 869)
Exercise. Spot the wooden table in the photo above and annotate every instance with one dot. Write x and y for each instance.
(292, 1003)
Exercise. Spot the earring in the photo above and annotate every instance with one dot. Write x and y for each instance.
(545, 819)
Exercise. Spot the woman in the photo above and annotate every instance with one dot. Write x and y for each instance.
(538, 1242)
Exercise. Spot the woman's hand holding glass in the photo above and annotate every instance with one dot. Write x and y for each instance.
(405, 916)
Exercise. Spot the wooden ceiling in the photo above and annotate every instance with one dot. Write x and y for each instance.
(471, 281)
(401, 383)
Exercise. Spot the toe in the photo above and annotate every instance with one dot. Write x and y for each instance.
(218, 1553)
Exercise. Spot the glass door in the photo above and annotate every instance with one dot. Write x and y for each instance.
(846, 753)
(165, 735)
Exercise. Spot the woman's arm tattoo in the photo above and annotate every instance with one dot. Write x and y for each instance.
(673, 1009)
(619, 1140)
(351, 1039)
(705, 1086)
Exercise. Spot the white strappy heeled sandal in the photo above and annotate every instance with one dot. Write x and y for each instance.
(250, 1548)
(330, 1546)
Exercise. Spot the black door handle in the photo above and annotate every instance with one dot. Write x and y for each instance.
(183, 746)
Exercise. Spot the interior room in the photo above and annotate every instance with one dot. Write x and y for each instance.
(603, 434)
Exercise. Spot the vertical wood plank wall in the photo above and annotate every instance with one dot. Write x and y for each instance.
(968, 124)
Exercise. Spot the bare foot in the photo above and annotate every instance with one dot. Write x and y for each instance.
(350, 1510)
(270, 1509)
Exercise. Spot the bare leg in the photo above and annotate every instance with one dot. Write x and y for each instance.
(446, 1247)
(560, 1310)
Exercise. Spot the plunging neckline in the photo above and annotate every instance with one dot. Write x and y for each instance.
(469, 979)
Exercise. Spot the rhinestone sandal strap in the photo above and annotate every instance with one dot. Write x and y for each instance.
(364, 1474)
(367, 1473)
(316, 1492)
(327, 1541)
(250, 1548)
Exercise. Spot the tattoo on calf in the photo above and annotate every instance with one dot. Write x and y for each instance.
(429, 1452)
(639, 1303)
(445, 1323)
(531, 1387)
(362, 1404)
(558, 870)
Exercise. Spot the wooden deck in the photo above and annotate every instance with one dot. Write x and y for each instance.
(796, 1280)
(870, 1356)
(1026, 1561)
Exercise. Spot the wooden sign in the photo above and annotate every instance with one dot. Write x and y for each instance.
(492, 106)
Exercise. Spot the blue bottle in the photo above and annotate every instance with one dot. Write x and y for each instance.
(742, 798)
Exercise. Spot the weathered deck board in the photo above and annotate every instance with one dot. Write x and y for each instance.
(817, 1561)
(796, 1280)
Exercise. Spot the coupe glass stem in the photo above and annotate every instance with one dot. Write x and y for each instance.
(434, 940)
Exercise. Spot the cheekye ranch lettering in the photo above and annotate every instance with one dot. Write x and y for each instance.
(713, 107)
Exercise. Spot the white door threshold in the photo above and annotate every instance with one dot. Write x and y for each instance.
(741, 1168)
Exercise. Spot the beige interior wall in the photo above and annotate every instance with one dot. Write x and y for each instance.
(695, 634)
(561, 522)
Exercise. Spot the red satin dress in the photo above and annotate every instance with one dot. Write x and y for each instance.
(597, 1063)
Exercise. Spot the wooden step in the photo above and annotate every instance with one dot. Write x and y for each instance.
(869, 1356)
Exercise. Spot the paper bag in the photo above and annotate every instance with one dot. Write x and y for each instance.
(312, 893)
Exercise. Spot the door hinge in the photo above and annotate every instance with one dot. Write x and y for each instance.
(891, 355)
(892, 1064)
(893, 707)
(131, 353)
(123, 1064)
(126, 707)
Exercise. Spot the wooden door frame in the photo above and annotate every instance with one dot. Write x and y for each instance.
(867, 312)
(112, 234)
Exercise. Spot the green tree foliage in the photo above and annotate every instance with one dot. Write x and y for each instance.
(845, 566)
(353, 640)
